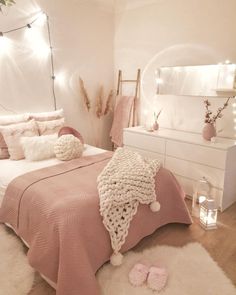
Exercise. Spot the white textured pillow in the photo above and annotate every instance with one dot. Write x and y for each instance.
(50, 127)
(13, 119)
(12, 135)
(39, 148)
(68, 147)
(47, 116)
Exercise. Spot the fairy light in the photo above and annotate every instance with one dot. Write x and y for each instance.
(4, 44)
(39, 46)
(42, 19)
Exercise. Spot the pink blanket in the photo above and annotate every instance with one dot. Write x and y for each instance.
(56, 211)
(121, 119)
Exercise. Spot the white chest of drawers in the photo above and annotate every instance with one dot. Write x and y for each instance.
(190, 157)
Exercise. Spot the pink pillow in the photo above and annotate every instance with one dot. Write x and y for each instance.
(50, 127)
(12, 135)
(5, 121)
(69, 130)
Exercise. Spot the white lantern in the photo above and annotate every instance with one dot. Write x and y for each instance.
(202, 192)
(208, 214)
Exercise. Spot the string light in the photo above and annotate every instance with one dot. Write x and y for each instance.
(38, 45)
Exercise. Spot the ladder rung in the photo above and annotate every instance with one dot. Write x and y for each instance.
(128, 80)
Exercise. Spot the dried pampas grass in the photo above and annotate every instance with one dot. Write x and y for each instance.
(108, 107)
(84, 94)
(99, 102)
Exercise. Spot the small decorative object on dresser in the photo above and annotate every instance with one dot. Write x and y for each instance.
(202, 192)
(208, 214)
(155, 124)
(209, 129)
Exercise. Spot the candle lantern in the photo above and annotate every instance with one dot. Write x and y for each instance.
(208, 214)
(202, 192)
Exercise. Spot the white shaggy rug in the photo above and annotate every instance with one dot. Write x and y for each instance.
(16, 276)
(191, 271)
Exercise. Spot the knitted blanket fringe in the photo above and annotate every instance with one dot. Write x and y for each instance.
(127, 181)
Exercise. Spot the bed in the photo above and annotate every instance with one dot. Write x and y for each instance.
(54, 208)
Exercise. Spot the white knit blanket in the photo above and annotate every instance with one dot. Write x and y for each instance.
(126, 181)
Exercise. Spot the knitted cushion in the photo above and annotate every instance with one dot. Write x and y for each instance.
(68, 147)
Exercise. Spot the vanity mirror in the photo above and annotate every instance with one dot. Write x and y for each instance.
(201, 80)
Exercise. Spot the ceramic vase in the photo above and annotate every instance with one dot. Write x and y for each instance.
(209, 131)
(155, 126)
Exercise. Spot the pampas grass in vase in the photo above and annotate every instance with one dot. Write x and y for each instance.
(99, 102)
(108, 107)
(84, 94)
(98, 109)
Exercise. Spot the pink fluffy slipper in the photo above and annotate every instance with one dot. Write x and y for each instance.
(138, 274)
(157, 278)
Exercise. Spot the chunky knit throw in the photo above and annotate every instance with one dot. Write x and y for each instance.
(126, 181)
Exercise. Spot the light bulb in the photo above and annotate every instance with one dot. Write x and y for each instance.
(36, 42)
(60, 78)
(41, 20)
(159, 81)
(4, 44)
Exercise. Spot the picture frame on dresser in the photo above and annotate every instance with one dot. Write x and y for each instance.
(190, 157)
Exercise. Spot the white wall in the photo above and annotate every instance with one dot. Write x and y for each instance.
(153, 33)
(82, 34)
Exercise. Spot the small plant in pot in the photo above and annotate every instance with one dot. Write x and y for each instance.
(209, 129)
(155, 124)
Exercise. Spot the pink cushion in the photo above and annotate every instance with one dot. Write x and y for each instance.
(69, 130)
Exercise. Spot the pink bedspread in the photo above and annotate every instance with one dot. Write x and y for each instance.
(56, 211)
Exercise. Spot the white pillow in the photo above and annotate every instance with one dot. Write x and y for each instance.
(8, 120)
(13, 119)
(47, 116)
(12, 135)
(39, 148)
(50, 127)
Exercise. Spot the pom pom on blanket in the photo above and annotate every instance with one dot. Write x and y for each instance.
(155, 206)
(116, 259)
(68, 147)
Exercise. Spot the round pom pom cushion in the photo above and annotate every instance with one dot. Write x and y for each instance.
(68, 147)
(69, 130)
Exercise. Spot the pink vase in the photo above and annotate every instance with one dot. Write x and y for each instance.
(208, 131)
(155, 126)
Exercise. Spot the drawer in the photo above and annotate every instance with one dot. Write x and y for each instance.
(145, 142)
(147, 154)
(195, 171)
(196, 153)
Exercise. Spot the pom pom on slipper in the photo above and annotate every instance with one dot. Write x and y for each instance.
(138, 274)
(157, 278)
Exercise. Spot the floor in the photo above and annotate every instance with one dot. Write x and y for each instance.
(220, 243)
